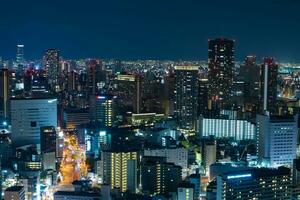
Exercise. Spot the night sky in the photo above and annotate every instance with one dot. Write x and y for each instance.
(149, 29)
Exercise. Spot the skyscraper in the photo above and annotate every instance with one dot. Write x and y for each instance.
(268, 85)
(4, 92)
(249, 73)
(186, 96)
(94, 67)
(220, 75)
(51, 65)
(129, 92)
(20, 54)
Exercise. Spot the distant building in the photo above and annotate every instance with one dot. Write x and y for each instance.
(14, 193)
(258, 183)
(27, 118)
(186, 96)
(220, 74)
(20, 54)
(51, 65)
(277, 139)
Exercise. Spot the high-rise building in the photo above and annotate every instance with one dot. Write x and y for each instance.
(51, 65)
(257, 183)
(48, 139)
(4, 92)
(73, 117)
(72, 81)
(249, 73)
(20, 54)
(120, 169)
(102, 109)
(94, 67)
(129, 92)
(268, 86)
(186, 96)
(221, 67)
(158, 176)
(276, 139)
(27, 118)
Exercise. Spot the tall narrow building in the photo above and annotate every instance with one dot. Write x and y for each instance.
(20, 54)
(249, 73)
(186, 96)
(51, 65)
(4, 92)
(268, 85)
(221, 67)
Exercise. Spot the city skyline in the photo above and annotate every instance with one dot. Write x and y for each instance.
(150, 30)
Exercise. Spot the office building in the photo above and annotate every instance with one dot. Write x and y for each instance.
(159, 176)
(48, 139)
(120, 170)
(102, 108)
(4, 93)
(250, 74)
(14, 193)
(74, 117)
(229, 128)
(276, 139)
(186, 96)
(268, 86)
(129, 92)
(258, 183)
(220, 74)
(51, 65)
(27, 118)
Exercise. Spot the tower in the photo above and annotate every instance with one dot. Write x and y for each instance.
(51, 65)
(186, 96)
(220, 75)
(4, 92)
(268, 85)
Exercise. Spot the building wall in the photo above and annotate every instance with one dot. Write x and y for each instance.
(28, 116)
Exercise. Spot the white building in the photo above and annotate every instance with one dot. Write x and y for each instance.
(276, 140)
(237, 129)
(28, 116)
(178, 156)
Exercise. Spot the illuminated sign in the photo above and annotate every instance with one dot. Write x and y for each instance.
(239, 176)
